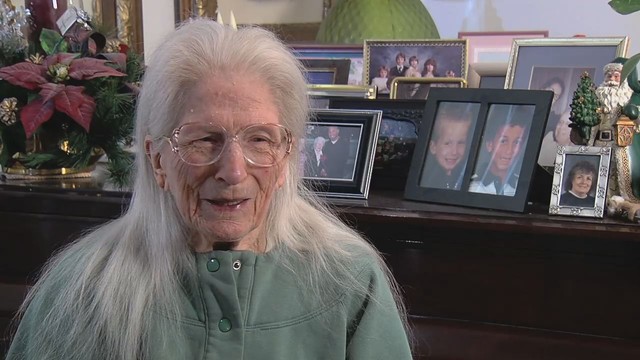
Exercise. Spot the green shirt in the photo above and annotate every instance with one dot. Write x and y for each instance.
(245, 305)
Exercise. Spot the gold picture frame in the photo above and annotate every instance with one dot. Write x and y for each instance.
(418, 88)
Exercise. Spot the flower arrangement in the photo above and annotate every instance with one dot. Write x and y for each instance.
(66, 100)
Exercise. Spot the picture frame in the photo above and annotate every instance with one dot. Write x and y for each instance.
(321, 95)
(477, 147)
(327, 71)
(346, 142)
(487, 75)
(448, 57)
(495, 46)
(418, 88)
(580, 181)
(555, 64)
(396, 139)
(329, 51)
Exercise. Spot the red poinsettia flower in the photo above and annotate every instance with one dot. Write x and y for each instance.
(49, 78)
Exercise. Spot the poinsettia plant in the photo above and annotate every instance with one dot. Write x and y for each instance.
(61, 109)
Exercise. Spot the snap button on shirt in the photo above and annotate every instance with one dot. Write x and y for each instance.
(237, 265)
(224, 325)
(213, 265)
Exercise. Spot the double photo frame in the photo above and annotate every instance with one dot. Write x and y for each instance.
(477, 147)
(337, 152)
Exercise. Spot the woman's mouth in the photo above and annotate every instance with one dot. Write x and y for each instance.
(226, 204)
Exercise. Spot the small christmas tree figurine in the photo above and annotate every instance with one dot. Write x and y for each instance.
(584, 107)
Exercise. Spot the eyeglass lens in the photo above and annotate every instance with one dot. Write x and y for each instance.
(203, 144)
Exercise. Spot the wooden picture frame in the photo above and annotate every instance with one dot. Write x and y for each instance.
(346, 142)
(540, 63)
(449, 56)
(487, 75)
(580, 181)
(327, 71)
(322, 51)
(321, 95)
(495, 46)
(477, 147)
(396, 139)
(414, 88)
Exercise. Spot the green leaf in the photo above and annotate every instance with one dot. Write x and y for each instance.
(625, 7)
(52, 42)
(629, 65)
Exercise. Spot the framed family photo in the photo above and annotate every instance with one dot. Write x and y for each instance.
(418, 88)
(396, 139)
(580, 181)
(477, 147)
(387, 59)
(555, 64)
(337, 152)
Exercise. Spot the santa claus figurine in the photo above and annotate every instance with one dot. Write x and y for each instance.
(613, 95)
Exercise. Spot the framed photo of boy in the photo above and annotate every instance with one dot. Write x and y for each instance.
(396, 139)
(406, 88)
(413, 58)
(580, 181)
(336, 154)
(477, 147)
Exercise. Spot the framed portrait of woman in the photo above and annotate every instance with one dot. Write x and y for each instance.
(580, 181)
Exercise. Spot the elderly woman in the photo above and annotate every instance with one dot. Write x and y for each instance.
(222, 252)
(579, 185)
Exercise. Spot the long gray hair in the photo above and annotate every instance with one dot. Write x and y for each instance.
(104, 284)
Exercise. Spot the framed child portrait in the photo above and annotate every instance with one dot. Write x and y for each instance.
(336, 154)
(413, 58)
(396, 139)
(580, 181)
(477, 147)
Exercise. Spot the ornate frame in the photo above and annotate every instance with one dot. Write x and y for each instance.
(604, 155)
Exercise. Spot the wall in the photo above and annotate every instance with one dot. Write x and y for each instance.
(563, 18)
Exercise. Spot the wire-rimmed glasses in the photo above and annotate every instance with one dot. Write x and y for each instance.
(203, 144)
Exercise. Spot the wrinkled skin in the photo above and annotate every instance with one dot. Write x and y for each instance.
(225, 203)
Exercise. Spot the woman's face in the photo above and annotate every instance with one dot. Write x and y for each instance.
(562, 132)
(226, 201)
(581, 183)
(429, 67)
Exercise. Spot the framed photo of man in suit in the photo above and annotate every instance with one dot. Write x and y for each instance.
(337, 152)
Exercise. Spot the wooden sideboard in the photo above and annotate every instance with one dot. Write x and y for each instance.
(478, 284)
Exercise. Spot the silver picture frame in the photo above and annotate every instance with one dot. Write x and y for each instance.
(339, 166)
(569, 161)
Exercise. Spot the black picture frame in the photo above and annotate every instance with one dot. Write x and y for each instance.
(342, 169)
(397, 137)
(525, 112)
(327, 71)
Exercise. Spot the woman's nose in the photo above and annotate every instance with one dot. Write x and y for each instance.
(232, 166)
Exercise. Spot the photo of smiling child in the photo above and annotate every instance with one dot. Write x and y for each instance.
(448, 145)
(504, 140)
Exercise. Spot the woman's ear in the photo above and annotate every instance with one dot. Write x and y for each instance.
(154, 158)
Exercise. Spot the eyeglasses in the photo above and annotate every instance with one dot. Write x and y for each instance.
(203, 144)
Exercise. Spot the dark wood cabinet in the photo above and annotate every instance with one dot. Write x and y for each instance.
(478, 284)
